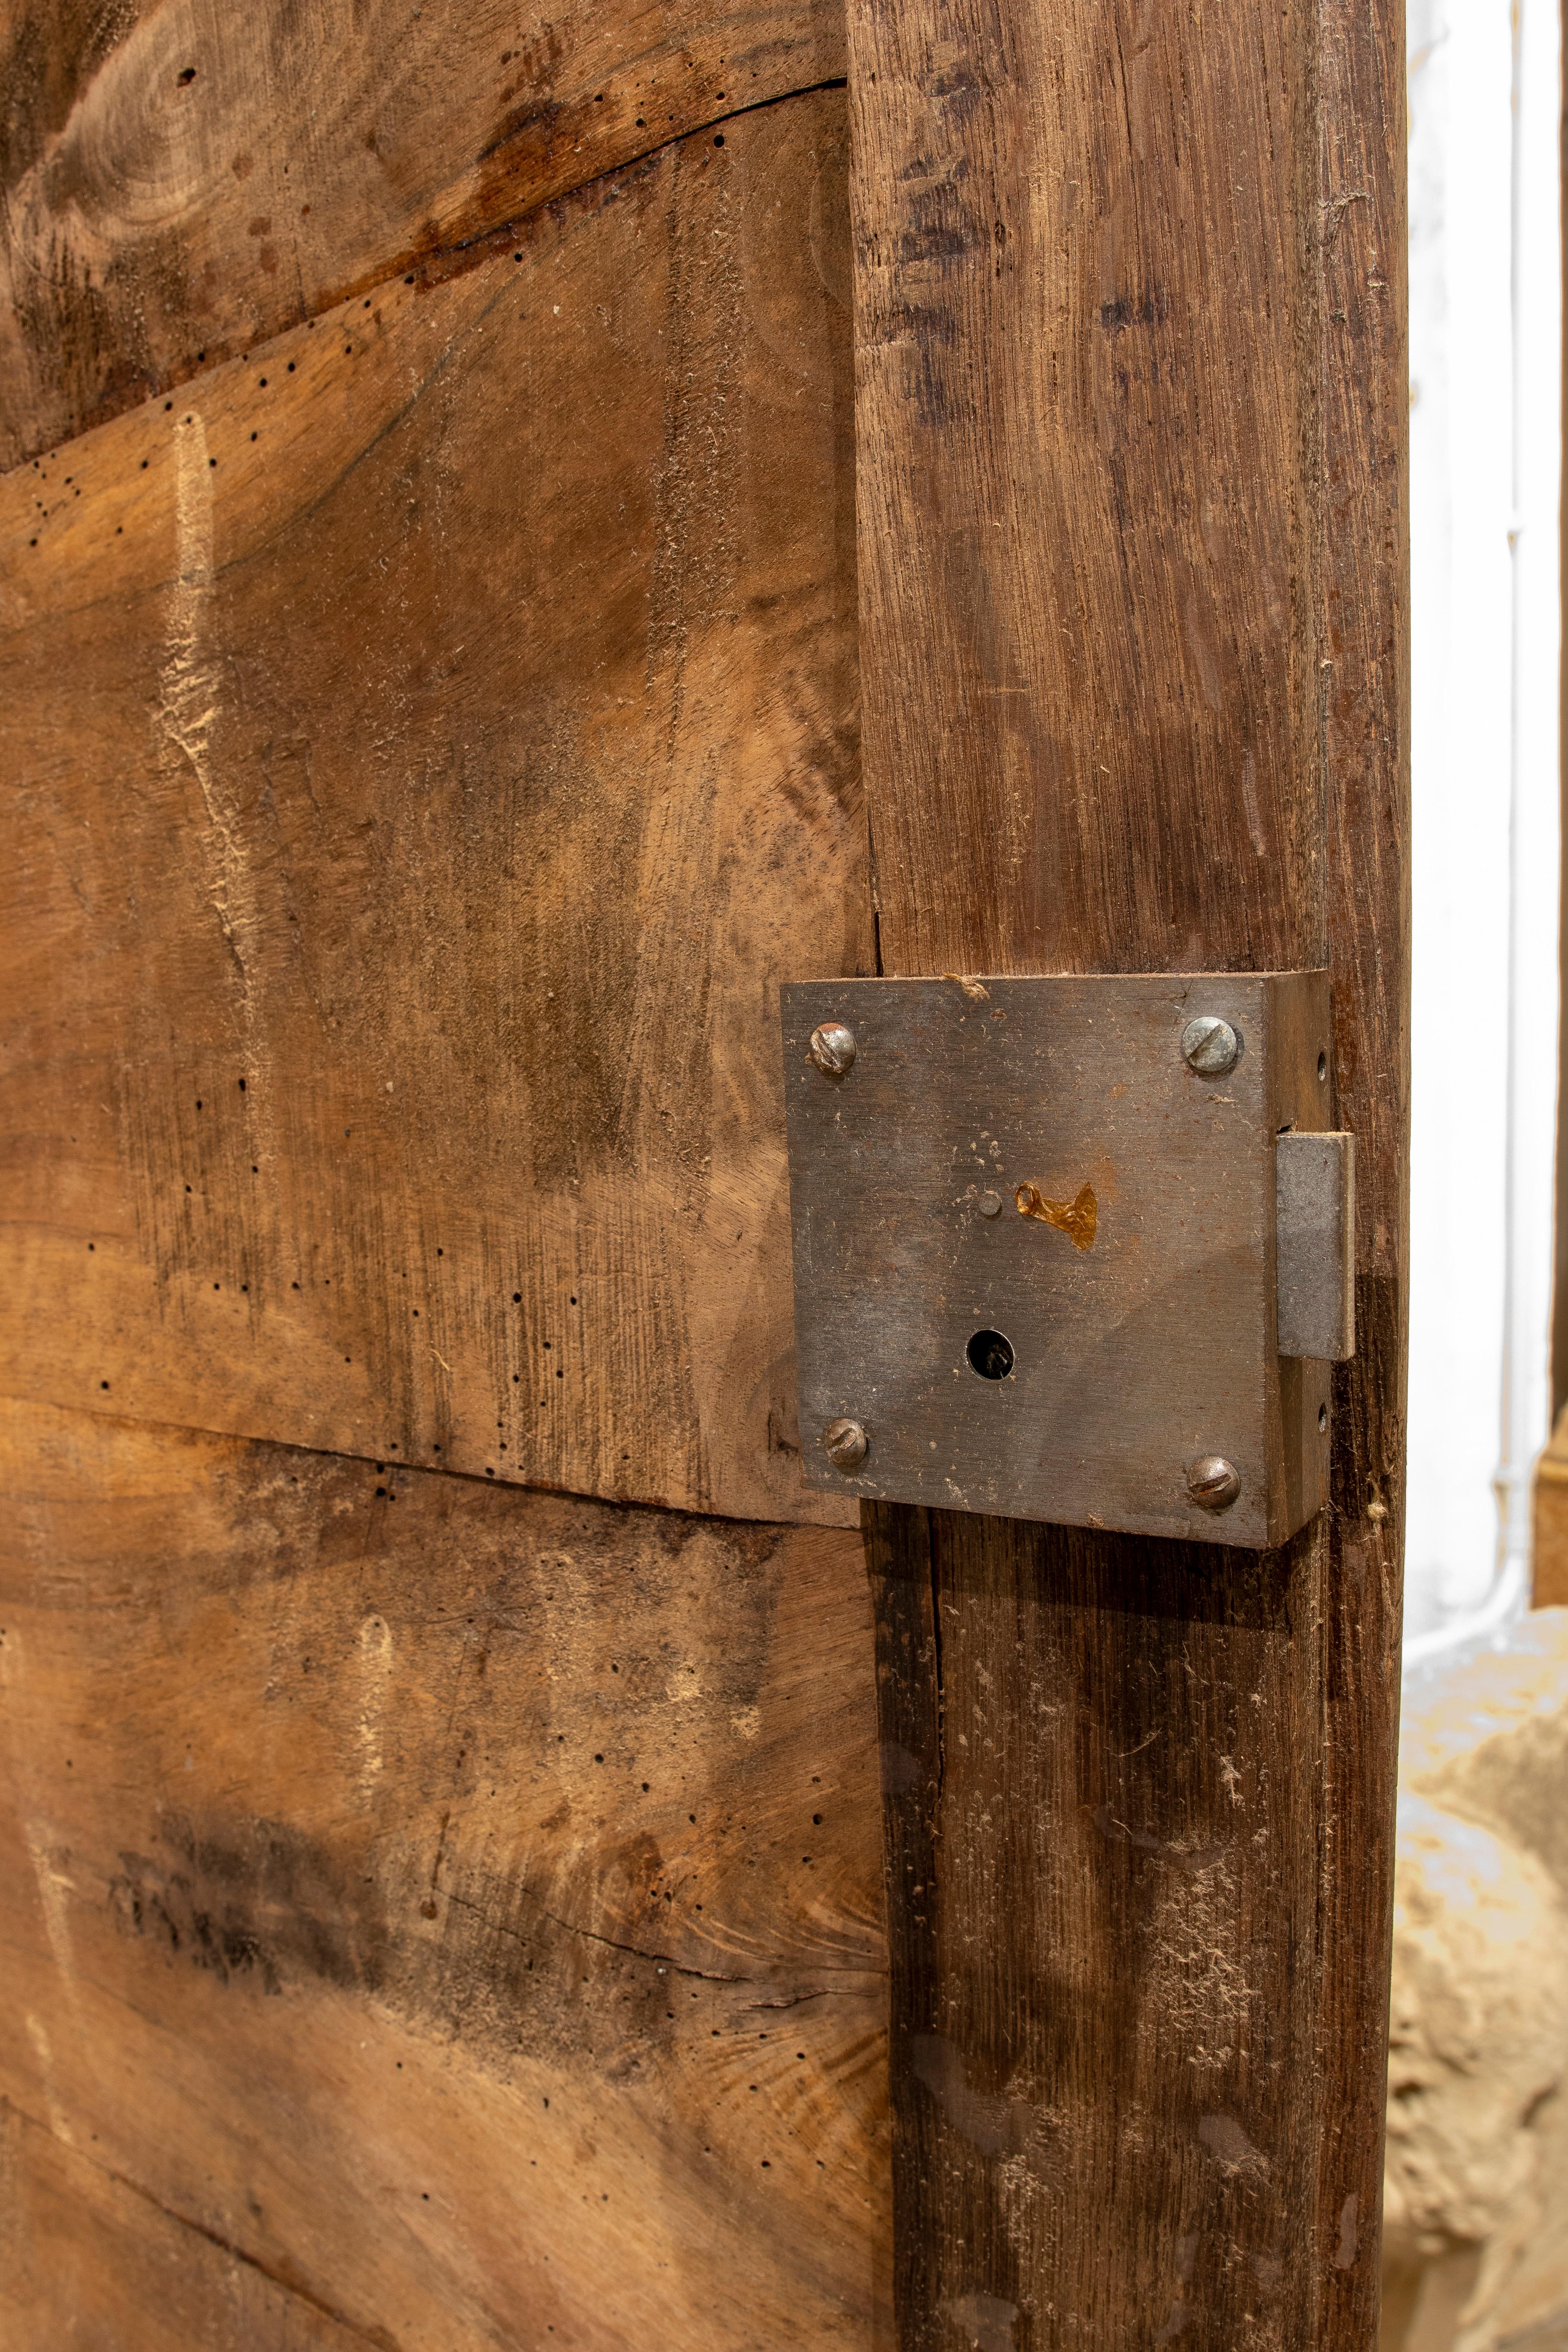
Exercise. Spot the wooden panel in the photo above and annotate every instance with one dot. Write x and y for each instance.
(1559, 1220)
(1099, 2007)
(179, 183)
(461, 1903)
(1130, 426)
(1365, 648)
(90, 2265)
(428, 750)
(1112, 715)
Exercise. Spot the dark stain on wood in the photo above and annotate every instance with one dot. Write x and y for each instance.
(255, 1898)
(469, 1906)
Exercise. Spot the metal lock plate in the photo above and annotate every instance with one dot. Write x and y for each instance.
(1035, 1246)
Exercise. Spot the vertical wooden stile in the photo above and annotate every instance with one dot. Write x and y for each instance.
(1560, 1223)
(1363, 591)
(1130, 431)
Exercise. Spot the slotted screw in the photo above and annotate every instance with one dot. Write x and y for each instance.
(1214, 1482)
(845, 1444)
(832, 1048)
(1210, 1045)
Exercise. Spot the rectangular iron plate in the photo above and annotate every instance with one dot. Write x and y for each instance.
(1133, 1356)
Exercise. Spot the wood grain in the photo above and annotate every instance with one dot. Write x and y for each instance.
(1082, 302)
(180, 185)
(1364, 647)
(429, 748)
(90, 2262)
(460, 1906)
(1558, 1342)
(1094, 1861)
(1129, 415)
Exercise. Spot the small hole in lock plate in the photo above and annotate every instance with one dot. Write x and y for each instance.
(990, 1355)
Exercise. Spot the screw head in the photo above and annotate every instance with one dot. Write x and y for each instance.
(1214, 1482)
(1210, 1045)
(832, 1048)
(990, 1204)
(845, 1444)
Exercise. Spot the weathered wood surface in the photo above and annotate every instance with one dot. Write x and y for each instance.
(89, 2265)
(428, 745)
(459, 1906)
(1087, 533)
(1364, 642)
(1130, 421)
(181, 183)
(1095, 1863)
(1558, 1342)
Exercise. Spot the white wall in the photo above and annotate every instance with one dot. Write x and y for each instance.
(1485, 439)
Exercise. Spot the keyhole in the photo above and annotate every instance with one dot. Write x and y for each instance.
(990, 1355)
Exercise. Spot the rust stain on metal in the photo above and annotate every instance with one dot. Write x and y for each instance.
(1077, 1219)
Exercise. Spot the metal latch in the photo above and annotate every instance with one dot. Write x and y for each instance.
(1070, 1249)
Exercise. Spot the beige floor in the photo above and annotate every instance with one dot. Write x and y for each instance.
(1475, 2257)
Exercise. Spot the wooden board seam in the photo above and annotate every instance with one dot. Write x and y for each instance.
(429, 267)
(375, 2335)
(420, 1469)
